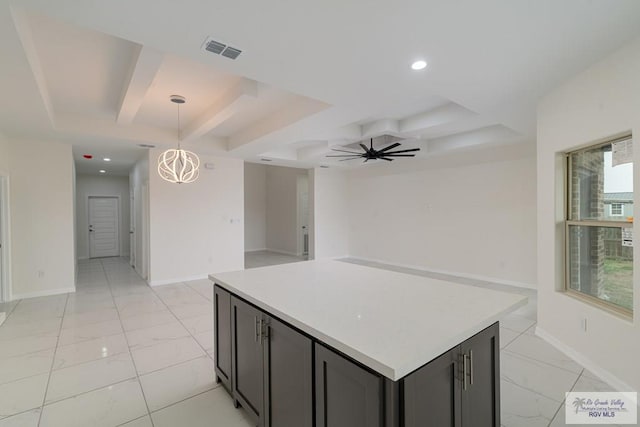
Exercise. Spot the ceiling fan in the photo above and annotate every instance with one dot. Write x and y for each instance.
(372, 154)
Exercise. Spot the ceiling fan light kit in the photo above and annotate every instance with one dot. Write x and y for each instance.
(371, 153)
(178, 166)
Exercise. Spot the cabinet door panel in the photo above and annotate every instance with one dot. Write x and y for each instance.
(289, 377)
(222, 331)
(248, 371)
(481, 400)
(347, 395)
(432, 393)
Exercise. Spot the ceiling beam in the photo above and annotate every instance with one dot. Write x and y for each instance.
(438, 116)
(144, 67)
(23, 29)
(229, 104)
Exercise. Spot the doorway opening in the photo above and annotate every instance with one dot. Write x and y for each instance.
(276, 214)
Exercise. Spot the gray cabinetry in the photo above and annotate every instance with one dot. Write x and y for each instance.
(460, 388)
(288, 376)
(347, 395)
(481, 394)
(272, 368)
(222, 331)
(247, 360)
(285, 378)
(432, 393)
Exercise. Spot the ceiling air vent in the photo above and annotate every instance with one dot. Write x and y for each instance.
(231, 52)
(218, 48)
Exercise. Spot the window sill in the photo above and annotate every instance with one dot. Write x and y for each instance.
(619, 312)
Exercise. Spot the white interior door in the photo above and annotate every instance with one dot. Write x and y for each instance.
(104, 230)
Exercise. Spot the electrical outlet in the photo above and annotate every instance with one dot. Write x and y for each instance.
(584, 324)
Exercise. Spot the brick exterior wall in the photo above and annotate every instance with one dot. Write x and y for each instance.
(587, 202)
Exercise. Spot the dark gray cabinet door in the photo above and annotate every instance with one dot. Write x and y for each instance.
(347, 395)
(288, 377)
(222, 331)
(432, 393)
(481, 399)
(247, 352)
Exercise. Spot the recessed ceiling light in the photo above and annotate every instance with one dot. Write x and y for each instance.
(103, 171)
(419, 65)
(266, 160)
(106, 159)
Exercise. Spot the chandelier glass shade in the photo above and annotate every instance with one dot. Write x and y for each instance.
(178, 166)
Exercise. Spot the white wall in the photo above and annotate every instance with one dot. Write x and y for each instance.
(601, 102)
(138, 184)
(470, 213)
(41, 209)
(329, 214)
(255, 207)
(282, 209)
(91, 185)
(197, 228)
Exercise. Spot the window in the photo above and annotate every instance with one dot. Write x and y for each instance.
(599, 244)
(616, 209)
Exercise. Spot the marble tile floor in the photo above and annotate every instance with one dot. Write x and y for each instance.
(264, 258)
(119, 353)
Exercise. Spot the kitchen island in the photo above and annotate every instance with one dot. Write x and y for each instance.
(349, 345)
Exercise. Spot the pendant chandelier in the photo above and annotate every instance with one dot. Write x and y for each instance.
(178, 166)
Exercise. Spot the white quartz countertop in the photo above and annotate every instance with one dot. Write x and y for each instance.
(391, 322)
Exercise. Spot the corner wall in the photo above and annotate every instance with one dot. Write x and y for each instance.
(601, 102)
(282, 209)
(42, 226)
(329, 214)
(469, 213)
(255, 207)
(196, 229)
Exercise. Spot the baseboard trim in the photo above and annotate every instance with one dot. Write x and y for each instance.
(451, 273)
(248, 251)
(47, 293)
(154, 283)
(3, 317)
(596, 369)
(80, 258)
(278, 251)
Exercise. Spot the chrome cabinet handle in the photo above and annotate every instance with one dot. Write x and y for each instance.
(464, 371)
(257, 329)
(471, 367)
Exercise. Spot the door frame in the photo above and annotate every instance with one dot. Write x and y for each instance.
(5, 239)
(118, 201)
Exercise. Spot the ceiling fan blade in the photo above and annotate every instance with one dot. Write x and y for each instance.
(355, 156)
(399, 155)
(371, 144)
(386, 158)
(364, 147)
(389, 147)
(345, 151)
(403, 151)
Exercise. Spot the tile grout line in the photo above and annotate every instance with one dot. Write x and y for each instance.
(53, 360)
(144, 397)
(179, 320)
(564, 400)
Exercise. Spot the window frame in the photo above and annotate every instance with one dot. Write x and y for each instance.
(617, 204)
(586, 298)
